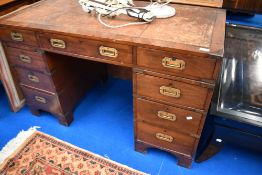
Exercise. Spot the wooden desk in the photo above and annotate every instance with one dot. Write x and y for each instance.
(174, 62)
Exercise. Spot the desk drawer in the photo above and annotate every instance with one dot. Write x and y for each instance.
(176, 64)
(168, 117)
(18, 36)
(29, 59)
(164, 138)
(172, 92)
(41, 100)
(86, 47)
(36, 79)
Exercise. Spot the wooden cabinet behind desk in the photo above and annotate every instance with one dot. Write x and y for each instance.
(174, 63)
(248, 6)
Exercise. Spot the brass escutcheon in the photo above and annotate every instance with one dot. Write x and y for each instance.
(170, 91)
(164, 137)
(17, 36)
(195, 135)
(166, 115)
(40, 99)
(57, 43)
(25, 59)
(108, 51)
(33, 78)
(173, 63)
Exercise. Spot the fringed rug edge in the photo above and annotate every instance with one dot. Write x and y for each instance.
(15, 145)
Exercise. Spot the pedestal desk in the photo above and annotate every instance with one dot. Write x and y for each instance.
(59, 51)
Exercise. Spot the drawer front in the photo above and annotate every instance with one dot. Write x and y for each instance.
(168, 117)
(165, 138)
(85, 47)
(18, 36)
(35, 79)
(176, 64)
(41, 100)
(27, 59)
(172, 92)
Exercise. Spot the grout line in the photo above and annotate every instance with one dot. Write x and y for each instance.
(160, 167)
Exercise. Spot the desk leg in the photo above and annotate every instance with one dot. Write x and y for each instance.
(181, 159)
(35, 112)
(66, 120)
(184, 161)
(140, 147)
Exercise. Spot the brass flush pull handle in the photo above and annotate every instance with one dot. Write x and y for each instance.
(25, 59)
(40, 99)
(173, 63)
(57, 43)
(164, 137)
(33, 78)
(169, 91)
(17, 36)
(166, 115)
(108, 51)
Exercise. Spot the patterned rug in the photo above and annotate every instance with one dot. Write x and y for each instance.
(41, 154)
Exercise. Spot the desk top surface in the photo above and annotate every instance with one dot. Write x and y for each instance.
(195, 29)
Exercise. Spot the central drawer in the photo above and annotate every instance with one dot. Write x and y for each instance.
(86, 47)
(172, 92)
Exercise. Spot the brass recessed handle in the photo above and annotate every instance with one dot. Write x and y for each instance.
(166, 115)
(164, 137)
(108, 51)
(58, 43)
(17, 36)
(173, 63)
(170, 91)
(25, 59)
(33, 78)
(40, 99)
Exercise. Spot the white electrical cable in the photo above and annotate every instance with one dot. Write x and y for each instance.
(154, 7)
(118, 26)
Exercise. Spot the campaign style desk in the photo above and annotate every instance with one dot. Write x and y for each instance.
(58, 52)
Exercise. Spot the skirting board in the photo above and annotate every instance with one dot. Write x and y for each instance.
(15, 101)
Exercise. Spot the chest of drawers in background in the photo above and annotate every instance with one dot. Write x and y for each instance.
(174, 62)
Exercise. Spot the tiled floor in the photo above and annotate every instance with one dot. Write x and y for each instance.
(104, 125)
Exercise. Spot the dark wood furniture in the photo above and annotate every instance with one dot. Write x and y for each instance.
(175, 63)
(10, 83)
(236, 111)
(247, 6)
(210, 3)
(7, 6)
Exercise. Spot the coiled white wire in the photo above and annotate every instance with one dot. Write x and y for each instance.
(152, 4)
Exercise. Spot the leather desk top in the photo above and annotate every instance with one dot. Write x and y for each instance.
(192, 29)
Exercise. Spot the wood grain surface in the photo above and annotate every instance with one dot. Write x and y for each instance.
(192, 29)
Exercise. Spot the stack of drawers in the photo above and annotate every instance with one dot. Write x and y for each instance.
(174, 63)
(172, 93)
(46, 79)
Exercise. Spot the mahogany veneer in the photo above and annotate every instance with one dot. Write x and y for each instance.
(174, 64)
